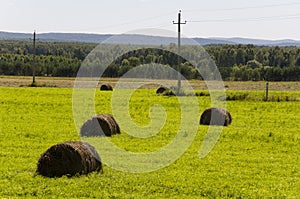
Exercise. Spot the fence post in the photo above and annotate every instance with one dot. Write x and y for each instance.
(267, 91)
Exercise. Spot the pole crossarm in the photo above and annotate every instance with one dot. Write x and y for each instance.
(179, 21)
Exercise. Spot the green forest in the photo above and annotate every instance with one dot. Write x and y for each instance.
(235, 62)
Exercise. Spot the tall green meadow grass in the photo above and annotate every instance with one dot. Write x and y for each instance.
(257, 156)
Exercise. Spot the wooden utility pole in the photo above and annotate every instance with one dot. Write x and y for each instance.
(33, 65)
(179, 56)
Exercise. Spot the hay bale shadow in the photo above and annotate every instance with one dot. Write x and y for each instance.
(106, 87)
(100, 125)
(69, 158)
(216, 116)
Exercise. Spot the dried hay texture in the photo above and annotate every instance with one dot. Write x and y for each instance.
(69, 158)
(216, 116)
(106, 87)
(100, 125)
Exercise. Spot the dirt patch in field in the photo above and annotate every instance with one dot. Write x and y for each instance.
(63, 82)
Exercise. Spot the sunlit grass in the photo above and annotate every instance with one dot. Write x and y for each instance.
(256, 156)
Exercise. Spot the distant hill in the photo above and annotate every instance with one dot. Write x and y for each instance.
(141, 39)
(59, 37)
(260, 42)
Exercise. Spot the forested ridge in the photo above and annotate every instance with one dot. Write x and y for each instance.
(235, 62)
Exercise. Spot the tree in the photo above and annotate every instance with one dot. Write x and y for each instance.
(240, 56)
(125, 62)
(134, 61)
(298, 62)
(254, 64)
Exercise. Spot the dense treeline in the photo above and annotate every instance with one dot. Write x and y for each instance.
(52, 59)
(248, 62)
(235, 62)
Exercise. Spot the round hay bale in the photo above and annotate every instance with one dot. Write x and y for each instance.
(69, 158)
(216, 116)
(162, 89)
(106, 87)
(100, 125)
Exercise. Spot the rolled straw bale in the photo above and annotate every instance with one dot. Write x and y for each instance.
(100, 125)
(106, 87)
(216, 116)
(162, 89)
(69, 158)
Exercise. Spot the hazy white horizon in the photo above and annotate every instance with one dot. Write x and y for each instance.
(265, 19)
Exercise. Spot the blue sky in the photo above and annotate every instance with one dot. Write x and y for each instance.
(265, 19)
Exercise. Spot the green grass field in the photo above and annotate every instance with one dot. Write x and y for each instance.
(257, 156)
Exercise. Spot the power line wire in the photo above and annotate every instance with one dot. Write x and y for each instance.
(279, 17)
(245, 8)
(136, 21)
